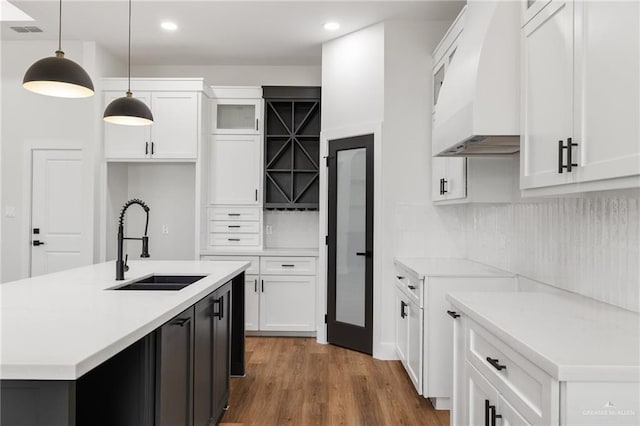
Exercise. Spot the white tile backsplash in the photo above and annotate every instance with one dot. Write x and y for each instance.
(587, 245)
(291, 229)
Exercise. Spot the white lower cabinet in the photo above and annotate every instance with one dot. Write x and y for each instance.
(423, 323)
(287, 303)
(408, 323)
(280, 293)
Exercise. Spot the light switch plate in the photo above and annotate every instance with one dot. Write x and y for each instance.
(10, 211)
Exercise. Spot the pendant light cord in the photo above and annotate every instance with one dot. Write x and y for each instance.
(129, 78)
(60, 27)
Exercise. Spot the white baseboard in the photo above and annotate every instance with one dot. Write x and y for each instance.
(385, 351)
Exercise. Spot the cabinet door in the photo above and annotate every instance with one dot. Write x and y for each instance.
(482, 397)
(458, 400)
(414, 345)
(174, 367)
(234, 169)
(402, 326)
(203, 362)
(221, 348)
(236, 116)
(509, 415)
(175, 128)
(456, 181)
(251, 303)
(438, 173)
(548, 94)
(607, 86)
(287, 303)
(127, 142)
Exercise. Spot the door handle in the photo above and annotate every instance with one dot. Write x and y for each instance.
(364, 253)
(38, 243)
(153, 151)
(402, 312)
(146, 148)
(255, 286)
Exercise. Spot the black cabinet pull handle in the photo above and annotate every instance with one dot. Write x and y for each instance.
(257, 123)
(453, 314)
(38, 243)
(180, 321)
(233, 226)
(255, 286)
(400, 277)
(402, 312)
(412, 287)
(560, 157)
(233, 214)
(492, 415)
(146, 148)
(153, 151)
(233, 239)
(262, 283)
(288, 266)
(363, 253)
(441, 186)
(570, 162)
(495, 363)
(445, 186)
(487, 410)
(220, 303)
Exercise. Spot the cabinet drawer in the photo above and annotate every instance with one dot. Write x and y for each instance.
(217, 226)
(217, 240)
(288, 265)
(235, 214)
(410, 285)
(254, 268)
(529, 389)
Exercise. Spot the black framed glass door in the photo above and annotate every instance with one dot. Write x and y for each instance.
(350, 243)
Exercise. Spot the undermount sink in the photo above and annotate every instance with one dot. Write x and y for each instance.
(162, 282)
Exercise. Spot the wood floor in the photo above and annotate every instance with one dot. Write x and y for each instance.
(295, 381)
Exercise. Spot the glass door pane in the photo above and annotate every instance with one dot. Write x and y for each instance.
(231, 116)
(351, 236)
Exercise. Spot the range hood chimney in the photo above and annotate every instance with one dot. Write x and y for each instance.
(478, 110)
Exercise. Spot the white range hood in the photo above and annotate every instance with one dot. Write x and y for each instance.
(478, 110)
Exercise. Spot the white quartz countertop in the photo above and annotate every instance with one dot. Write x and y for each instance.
(449, 267)
(571, 337)
(293, 252)
(60, 326)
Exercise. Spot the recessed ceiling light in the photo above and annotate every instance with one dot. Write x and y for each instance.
(169, 26)
(331, 26)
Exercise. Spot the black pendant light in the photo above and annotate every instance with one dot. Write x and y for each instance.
(128, 110)
(57, 75)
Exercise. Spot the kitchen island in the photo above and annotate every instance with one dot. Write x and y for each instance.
(71, 342)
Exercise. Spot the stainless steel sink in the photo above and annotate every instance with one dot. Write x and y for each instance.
(162, 282)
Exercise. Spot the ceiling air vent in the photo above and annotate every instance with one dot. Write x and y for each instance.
(29, 29)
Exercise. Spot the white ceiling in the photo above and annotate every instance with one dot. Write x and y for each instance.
(218, 32)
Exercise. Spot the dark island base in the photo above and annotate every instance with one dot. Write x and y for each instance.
(124, 389)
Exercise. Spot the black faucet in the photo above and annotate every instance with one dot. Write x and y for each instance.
(121, 265)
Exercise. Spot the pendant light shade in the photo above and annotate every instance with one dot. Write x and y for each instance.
(128, 110)
(58, 76)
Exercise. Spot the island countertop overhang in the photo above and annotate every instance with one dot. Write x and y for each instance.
(60, 326)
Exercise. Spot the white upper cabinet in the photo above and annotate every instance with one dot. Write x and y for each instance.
(176, 125)
(548, 94)
(449, 178)
(236, 116)
(176, 105)
(235, 170)
(581, 103)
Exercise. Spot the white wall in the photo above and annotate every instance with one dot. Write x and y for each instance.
(169, 191)
(35, 121)
(237, 75)
(291, 229)
(383, 74)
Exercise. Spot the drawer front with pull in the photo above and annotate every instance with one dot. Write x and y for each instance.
(222, 240)
(235, 213)
(217, 226)
(529, 389)
(409, 283)
(288, 265)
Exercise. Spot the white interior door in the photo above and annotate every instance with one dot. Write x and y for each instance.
(57, 224)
